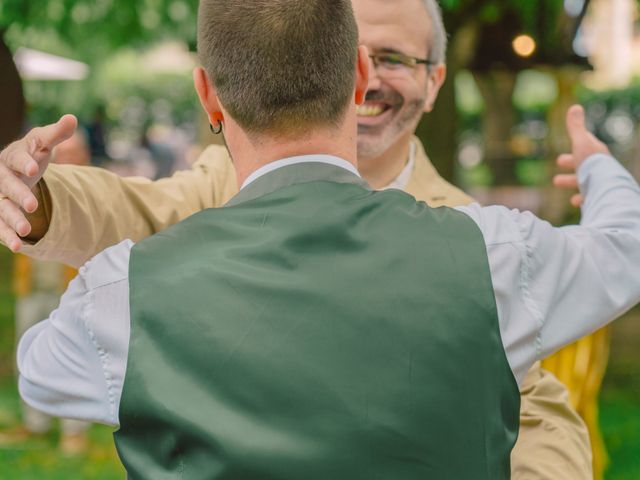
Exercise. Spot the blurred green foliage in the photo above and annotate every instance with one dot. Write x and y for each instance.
(493, 10)
(95, 26)
(117, 84)
(108, 36)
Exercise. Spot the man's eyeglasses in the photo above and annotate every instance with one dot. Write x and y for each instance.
(397, 62)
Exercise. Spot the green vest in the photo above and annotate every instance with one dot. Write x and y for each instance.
(316, 330)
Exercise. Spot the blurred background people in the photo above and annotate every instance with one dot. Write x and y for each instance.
(97, 136)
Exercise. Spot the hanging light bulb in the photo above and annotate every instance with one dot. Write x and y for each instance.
(524, 45)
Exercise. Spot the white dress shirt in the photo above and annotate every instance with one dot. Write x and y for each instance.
(552, 286)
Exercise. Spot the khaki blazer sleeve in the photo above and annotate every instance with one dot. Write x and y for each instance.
(92, 209)
(553, 441)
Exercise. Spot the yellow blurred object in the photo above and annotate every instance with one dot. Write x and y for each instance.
(21, 275)
(68, 274)
(581, 368)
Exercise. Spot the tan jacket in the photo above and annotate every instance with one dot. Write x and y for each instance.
(106, 209)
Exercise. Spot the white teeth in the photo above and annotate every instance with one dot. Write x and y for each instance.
(370, 110)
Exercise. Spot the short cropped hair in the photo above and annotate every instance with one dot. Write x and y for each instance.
(280, 65)
(438, 38)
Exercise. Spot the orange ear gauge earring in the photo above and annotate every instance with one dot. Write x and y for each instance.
(217, 130)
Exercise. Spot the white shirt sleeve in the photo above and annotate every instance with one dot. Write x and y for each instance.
(555, 285)
(73, 364)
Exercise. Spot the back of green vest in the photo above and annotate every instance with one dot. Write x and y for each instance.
(322, 331)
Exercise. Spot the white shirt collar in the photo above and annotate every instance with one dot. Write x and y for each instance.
(402, 180)
(270, 167)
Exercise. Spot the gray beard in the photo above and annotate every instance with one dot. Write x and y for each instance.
(386, 135)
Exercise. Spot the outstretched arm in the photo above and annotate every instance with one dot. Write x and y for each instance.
(554, 285)
(72, 213)
(92, 209)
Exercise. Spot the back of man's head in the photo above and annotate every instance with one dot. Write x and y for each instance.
(280, 66)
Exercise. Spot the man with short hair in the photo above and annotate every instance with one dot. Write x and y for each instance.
(315, 328)
(87, 209)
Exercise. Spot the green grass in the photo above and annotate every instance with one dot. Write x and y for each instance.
(620, 422)
(620, 400)
(40, 459)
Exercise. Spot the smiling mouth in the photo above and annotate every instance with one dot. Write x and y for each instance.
(372, 109)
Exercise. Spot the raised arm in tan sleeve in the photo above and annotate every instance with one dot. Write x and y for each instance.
(92, 209)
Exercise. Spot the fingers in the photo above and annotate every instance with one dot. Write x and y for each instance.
(23, 162)
(9, 238)
(583, 143)
(577, 200)
(46, 138)
(576, 126)
(14, 188)
(19, 160)
(569, 181)
(13, 217)
(566, 161)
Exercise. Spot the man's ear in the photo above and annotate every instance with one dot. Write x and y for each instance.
(436, 77)
(362, 74)
(207, 95)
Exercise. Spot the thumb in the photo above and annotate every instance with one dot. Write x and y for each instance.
(576, 127)
(46, 138)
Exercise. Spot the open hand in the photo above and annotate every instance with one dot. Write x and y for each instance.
(22, 165)
(583, 145)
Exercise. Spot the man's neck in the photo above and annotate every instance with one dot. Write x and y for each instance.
(382, 170)
(250, 155)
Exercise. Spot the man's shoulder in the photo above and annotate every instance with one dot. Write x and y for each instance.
(216, 166)
(107, 267)
(427, 185)
(215, 157)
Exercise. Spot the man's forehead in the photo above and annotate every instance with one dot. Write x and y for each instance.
(402, 25)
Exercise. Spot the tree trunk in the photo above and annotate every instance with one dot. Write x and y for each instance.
(12, 117)
(498, 120)
(438, 130)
